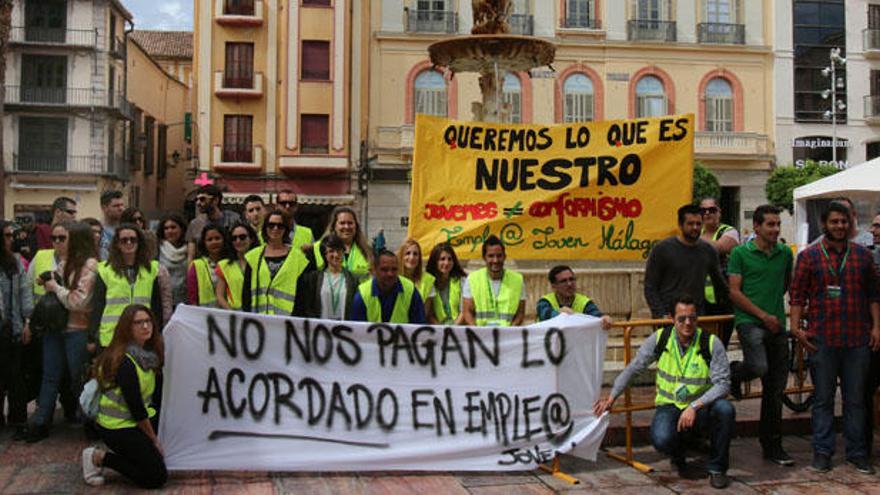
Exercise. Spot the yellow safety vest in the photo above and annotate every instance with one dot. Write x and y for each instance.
(580, 302)
(709, 291)
(234, 282)
(274, 296)
(113, 412)
(302, 235)
(454, 302)
(492, 311)
(356, 262)
(400, 312)
(675, 371)
(44, 261)
(426, 285)
(207, 296)
(121, 294)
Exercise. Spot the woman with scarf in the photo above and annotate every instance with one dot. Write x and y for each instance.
(172, 254)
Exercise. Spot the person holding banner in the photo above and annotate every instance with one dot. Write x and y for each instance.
(129, 376)
(230, 271)
(494, 296)
(450, 279)
(410, 256)
(693, 379)
(387, 297)
(272, 272)
(356, 259)
(566, 299)
(327, 294)
(201, 278)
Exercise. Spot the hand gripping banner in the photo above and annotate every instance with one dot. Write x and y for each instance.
(252, 392)
(592, 190)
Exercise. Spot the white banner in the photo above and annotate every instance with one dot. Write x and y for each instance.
(251, 392)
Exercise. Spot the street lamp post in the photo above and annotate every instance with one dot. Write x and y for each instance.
(836, 105)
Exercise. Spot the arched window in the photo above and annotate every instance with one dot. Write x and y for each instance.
(430, 94)
(650, 97)
(577, 94)
(511, 91)
(719, 106)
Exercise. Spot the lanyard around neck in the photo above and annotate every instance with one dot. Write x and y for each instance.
(839, 272)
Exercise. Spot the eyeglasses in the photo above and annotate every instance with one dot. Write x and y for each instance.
(128, 240)
(567, 280)
(709, 210)
(146, 322)
(287, 204)
(275, 225)
(242, 237)
(59, 238)
(684, 318)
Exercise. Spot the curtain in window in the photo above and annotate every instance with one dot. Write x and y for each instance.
(238, 138)
(430, 94)
(650, 97)
(577, 95)
(719, 106)
(239, 65)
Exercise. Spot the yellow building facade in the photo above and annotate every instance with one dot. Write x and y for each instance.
(614, 60)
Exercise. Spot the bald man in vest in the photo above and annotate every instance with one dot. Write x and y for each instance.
(566, 299)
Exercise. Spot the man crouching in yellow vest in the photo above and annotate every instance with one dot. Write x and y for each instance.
(387, 297)
(693, 379)
(494, 296)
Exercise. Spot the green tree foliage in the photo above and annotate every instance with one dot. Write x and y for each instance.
(705, 183)
(783, 181)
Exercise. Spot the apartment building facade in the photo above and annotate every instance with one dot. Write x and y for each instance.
(65, 104)
(614, 60)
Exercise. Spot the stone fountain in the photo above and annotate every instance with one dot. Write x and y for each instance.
(491, 52)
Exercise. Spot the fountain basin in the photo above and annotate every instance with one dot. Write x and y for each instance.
(480, 53)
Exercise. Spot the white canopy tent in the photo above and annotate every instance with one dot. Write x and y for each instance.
(860, 183)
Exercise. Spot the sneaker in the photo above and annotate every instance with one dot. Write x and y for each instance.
(35, 433)
(778, 456)
(91, 473)
(862, 465)
(719, 481)
(821, 463)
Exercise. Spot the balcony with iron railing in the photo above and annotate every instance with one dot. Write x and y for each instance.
(238, 12)
(39, 162)
(743, 145)
(117, 48)
(523, 24)
(229, 86)
(30, 97)
(431, 21)
(650, 30)
(55, 37)
(872, 109)
(238, 157)
(580, 21)
(871, 42)
(716, 32)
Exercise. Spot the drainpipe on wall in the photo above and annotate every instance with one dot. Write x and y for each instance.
(126, 145)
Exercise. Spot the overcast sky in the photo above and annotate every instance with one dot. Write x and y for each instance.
(169, 15)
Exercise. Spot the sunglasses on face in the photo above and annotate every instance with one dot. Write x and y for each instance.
(709, 210)
(242, 237)
(287, 204)
(128, 240)
(274, 225)
(59, 238)
(684, 318)
(69, 211)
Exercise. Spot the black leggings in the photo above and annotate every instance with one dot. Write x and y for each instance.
(133, 455)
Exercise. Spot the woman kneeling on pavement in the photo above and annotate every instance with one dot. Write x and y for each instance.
(128, 372)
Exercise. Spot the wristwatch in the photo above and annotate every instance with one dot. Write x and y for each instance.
(693, 405)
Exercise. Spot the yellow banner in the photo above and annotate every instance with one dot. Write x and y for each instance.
(594, 190)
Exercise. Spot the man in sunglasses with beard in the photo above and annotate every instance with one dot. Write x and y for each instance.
(208, 200)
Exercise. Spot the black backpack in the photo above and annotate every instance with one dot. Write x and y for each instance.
(705, 351)
(49, 315)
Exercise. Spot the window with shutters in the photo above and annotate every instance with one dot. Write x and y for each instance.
(315, 61)
(239, 71)
(430, 94)
(577, 98)
(650, 97)
(44, 80)
(238, 7)
(162, 154)
(42, 144)
(238, 139)
(315, 136)
(45, 20)
(149, 143)
(581, 14)
(719, 106)
(511, 94)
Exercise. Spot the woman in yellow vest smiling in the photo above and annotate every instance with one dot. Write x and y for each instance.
(411, 267)
(450, 278)
(230, 271)
(272, 271)
(201, 278)
(129, 376)
(129, 276)
(357, 256)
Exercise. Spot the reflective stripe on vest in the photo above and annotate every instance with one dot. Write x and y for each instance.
(696, 376)
(400, 312)
(234, 282)
(121, 294)
(709, 290)
(207, 296)
(44, 261)
(113, 412)
(454, 302)
(578, 305)
(274, 296)
(356, 263)
(506, 304)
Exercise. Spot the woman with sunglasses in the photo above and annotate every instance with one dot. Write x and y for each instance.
(136, 216)
(67, 352)
(357, 254)
(327, 293)
(129, 276)
(450, 278)
(272, 272)
(129, 376)
(409, 257)
(173, 254)
(201, 279)
(230, 271)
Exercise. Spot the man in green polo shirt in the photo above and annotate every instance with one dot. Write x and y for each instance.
(759, 273)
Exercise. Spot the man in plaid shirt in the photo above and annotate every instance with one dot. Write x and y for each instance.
(836, 280)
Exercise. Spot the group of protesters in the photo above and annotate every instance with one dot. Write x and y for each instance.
(118, 283)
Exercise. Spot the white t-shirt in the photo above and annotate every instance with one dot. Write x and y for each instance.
(338, 286)
(496, 287)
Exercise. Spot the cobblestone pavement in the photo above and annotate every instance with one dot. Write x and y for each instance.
(52, 466)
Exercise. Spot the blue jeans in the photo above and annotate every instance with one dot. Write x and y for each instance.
(850, 365)
(62, 352)
(716, 420)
